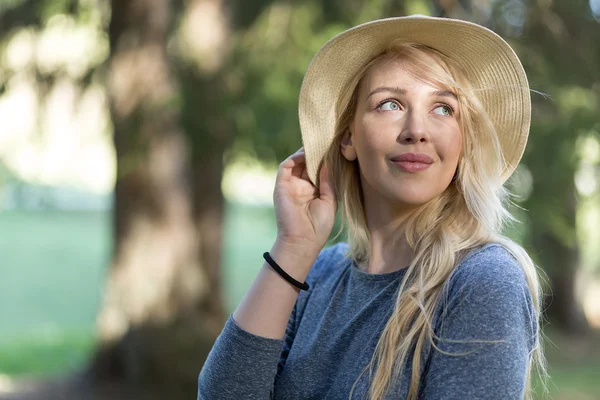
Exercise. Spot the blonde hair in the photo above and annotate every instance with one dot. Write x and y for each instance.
(469, 213)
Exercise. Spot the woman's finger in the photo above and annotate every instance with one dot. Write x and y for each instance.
(301, 158)
(325, 185)
(304, 174)
(294, 165)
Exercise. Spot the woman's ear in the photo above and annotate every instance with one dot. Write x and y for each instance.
(347, 147)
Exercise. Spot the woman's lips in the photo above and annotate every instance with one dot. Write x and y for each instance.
(410, 166)
(412, 162)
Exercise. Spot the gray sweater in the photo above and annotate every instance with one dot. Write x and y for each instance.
(335, 325)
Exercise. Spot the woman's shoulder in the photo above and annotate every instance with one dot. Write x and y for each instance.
(489, 266)
(488, 296)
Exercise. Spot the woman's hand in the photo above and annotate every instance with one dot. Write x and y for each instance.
(304, 214)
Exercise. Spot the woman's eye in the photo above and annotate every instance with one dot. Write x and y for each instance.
(389, 106)
(444, 110)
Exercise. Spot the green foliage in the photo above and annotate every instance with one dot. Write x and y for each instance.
(17, 14)
(49, 9)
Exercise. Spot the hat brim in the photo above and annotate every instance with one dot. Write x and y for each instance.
(486, 59)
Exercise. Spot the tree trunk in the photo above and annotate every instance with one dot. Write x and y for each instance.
(162, 307)
(563, 307)
(561, 263)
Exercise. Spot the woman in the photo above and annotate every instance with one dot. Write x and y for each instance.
(412, 124)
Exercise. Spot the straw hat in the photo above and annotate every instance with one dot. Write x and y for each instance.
(485, 57)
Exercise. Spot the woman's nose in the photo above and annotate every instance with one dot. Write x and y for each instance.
(414, 128)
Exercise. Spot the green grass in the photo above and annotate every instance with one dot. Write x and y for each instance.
(575, 381)
(573, 366)
(249, 232)
(52, 267)
(46, 354)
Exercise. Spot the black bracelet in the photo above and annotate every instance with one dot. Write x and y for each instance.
(280, 271)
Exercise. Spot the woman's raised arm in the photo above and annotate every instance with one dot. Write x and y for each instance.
(244, 358)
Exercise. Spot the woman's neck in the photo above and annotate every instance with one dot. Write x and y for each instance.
(389, 250)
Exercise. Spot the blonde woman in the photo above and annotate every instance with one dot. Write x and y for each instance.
(412, 125)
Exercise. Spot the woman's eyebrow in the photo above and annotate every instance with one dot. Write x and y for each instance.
(396, 90)
(444, 93)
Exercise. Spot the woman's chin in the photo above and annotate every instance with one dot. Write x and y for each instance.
(405, 194)
(414, 197)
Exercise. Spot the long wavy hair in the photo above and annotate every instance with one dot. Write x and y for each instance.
(468, 214)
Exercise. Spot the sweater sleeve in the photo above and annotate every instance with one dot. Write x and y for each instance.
(486, 333)
(242, 365)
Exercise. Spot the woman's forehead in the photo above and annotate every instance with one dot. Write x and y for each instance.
(395, 70)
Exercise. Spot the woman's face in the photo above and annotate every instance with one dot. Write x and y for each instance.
(405, 135)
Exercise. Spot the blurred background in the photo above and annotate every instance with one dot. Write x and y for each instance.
(139, 141)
